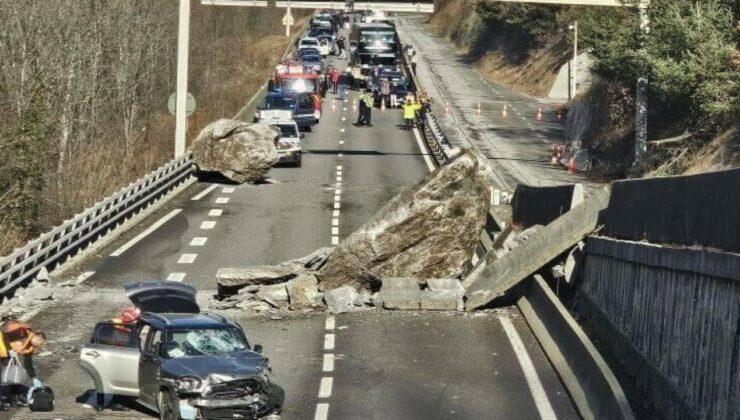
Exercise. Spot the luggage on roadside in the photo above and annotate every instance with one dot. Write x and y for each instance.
(14, 373)
(41, 399)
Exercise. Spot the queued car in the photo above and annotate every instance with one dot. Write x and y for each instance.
(307, 42)
(179, 362)
(289, 143)
(325, 47)
(306, 51)
(313, 63)
(300, 107)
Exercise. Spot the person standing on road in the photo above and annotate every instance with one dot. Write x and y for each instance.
(409, 112)
(414, 61)
(334, 75)
(385, 91)
(394, 96)
(343, 82)
(340, 47)
(369, 103)
(361, 111)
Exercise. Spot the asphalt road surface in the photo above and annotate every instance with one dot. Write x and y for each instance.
(517, 144)
(367, 365)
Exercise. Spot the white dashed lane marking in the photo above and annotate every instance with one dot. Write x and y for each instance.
(215, 212)
(222, 200)
(208, 224)
(198, 241)
(145, 233)
(322, 411)
(327, 383)
(187, 258)
(228, 190)
(178, 277)
(204, 192)
(328, 365)
(330, 322)
(329, 342)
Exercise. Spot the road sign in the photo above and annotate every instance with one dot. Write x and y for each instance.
(189, 104)
(288, 19)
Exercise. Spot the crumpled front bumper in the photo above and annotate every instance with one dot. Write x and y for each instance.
(269, 401)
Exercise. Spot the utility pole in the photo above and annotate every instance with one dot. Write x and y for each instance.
(641, 93)
(182, 77)
(574, 63)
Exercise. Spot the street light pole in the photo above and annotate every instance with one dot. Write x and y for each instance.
(182, 77)
(574, 63)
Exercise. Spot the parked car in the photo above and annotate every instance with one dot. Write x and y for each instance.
(289, 143)
(179, 362)
(297, 106)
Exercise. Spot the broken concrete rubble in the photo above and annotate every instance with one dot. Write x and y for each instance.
(276, 295)
(240, 151)
(428, 230)
(230, 280)
(341, 299)
(401, 293)
(529, 256)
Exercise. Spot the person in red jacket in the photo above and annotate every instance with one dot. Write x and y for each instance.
(334, 77)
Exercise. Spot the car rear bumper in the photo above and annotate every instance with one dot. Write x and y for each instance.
(307, 120)
(289, 156)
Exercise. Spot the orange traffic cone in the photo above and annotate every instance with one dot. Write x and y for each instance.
(539, 114)
(572, 166)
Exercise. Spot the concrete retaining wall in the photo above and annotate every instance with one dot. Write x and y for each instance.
(691, 210)
(541, 205)
(672, 318)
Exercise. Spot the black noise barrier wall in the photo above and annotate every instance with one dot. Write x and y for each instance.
(688, 210)
(540, 205)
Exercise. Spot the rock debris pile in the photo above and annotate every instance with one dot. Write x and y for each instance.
(410, 255)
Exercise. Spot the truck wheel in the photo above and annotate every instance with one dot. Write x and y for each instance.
(169, 406)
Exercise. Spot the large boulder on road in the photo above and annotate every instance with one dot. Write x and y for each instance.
(428, 230)
(241, 152)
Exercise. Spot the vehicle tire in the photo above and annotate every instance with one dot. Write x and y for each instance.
(169, 406)
(298, 163)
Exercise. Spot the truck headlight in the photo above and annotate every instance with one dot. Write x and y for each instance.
(188, 384)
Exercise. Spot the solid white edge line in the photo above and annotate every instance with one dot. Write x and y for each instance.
(83, 277)
(325, 388)
(423, 150)
(145, 233)
(329, 342)
(204, 192)
(322, 411)
(328, 365)
(530, 373)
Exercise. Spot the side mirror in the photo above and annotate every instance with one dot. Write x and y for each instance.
(302, 135)
(257, 348)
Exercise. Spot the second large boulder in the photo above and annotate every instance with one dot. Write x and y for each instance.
(428, 230)
(241, 152)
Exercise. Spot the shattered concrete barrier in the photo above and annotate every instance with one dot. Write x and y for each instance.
(443, 295)
(241, 152)
(529, 256)
(276, 295)
(230, 280)
(428, 230)
(401, 293)
(341, 299)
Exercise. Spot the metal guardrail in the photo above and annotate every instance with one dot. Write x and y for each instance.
(53, 248)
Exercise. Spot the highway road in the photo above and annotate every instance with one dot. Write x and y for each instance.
(366, 365)
(517, 144)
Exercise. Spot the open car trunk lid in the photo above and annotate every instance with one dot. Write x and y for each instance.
(162, 296)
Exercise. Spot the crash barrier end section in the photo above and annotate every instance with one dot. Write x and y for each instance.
(588, 378)
(54, 247)
(687, 210)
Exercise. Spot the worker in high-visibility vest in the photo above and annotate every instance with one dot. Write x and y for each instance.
(409, 111)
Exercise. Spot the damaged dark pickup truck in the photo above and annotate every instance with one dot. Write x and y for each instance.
(179, 362)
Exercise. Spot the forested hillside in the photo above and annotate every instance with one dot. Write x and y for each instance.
(690, 57)
(83, 95)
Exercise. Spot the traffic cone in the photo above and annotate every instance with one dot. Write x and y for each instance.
(554, 159)
(477, 112)
(503, 112)
(572, 166)
(539, 114)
